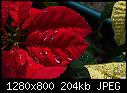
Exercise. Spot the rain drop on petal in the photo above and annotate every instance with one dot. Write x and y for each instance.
(45, 11)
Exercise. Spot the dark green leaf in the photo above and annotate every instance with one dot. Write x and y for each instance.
(117, 54)
(76, 73)
(118, 58)
(88, 56)
(106, 13)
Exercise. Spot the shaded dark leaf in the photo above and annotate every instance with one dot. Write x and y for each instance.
(106, 13)
(117, 54)
(88, 56)
(76, 73)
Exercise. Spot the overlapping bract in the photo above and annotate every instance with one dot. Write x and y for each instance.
(55, 39)
(5, 12)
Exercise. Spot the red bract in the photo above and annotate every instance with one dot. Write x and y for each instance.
(5, 5)
(19, 11)
(55, 39)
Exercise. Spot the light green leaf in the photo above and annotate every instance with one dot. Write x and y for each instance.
(114, 70)
(119, 21)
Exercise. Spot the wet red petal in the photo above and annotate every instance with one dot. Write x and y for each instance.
(55, 17)
(19, 11)
(49, 72)
(4, 11)
(55, 47)
(56, 41)
(32, 13)
(14, 63)
(38, 71)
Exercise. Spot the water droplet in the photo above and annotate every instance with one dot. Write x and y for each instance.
(37, 60)
(52, 37)
(122, 64)
(105, 76)
(108, 68)
(122, 77)
(57, 60)
(20, 57)
(12, 52)
(117, 71)
(22, 64)
(46, 52)
(54, 55)
(82, 56)
(30, 64)
(56, 31)
(108, 77)
(69, 59)
(105, 67)
(45, 11)
(2, 36)
(45, 38)
(27, 58)
(40, 53)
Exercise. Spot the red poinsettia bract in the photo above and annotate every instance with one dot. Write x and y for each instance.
(55, 38)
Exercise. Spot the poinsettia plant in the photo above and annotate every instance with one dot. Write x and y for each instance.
(40, 44)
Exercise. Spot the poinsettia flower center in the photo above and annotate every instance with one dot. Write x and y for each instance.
(12, 38)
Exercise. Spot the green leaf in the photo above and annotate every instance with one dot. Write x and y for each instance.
(114, 70)
(76, 73)
(119, 58)
(106, 13)
(88, 56)
(118, 54)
